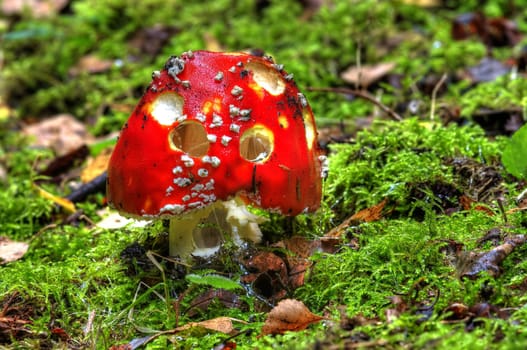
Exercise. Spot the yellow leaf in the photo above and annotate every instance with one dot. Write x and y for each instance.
(62, 202)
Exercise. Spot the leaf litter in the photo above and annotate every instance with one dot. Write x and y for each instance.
(289, 315)
(277, 273)
(11, 250)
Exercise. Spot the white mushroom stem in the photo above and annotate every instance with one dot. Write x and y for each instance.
(181, 232)
(231, 217)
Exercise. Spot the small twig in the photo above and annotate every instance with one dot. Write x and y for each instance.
(89, 324)
(362, 94)
(357, 53)
(502, 210)
(434, 94)
(96, 185)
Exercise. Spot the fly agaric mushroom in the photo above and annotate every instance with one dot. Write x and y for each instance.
(210, 128)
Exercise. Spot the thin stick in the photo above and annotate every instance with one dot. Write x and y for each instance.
(434, 93)
(362, 94)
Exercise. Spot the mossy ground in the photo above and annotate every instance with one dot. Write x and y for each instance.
(74, 275)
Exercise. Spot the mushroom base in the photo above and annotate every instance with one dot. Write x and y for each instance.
(201, 232)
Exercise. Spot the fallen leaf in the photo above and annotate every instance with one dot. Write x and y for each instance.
(62, 133)
(299, 246)
(123, 346)
(371, 214)
(349, 323)
(297, 268)
(468, 204)
(366, 75)
(90, 64)
(227, 298)
(220, 324)
(456, 312)
(268, 277)
(472, 316)
(62, 202)
(60, 333)
(289, 315)
(466, 25)
(97, 165)
(493, 32)
(399, 305)
(11, 250)
(38, 8)
(367, 215)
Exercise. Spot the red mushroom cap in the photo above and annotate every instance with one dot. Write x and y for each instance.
(212, 126)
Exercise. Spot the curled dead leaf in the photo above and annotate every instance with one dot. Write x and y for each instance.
(289, 315)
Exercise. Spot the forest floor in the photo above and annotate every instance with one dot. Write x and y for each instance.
(420, 238)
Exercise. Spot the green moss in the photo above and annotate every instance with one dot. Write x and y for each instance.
(387, 160)
(502, 94)
(72, 272)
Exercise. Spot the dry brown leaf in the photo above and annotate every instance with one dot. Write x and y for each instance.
(38, 8)
(91, 64)
(220, 324)
(227, 298)
(62, 133)
(366, 75)
(468, 203)
(297, 271)
(289, 315)
(96, 166)
(337, 232)
(367, 215)
(11, 251)
(299, 246)
(268, 275)
(370, 214)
